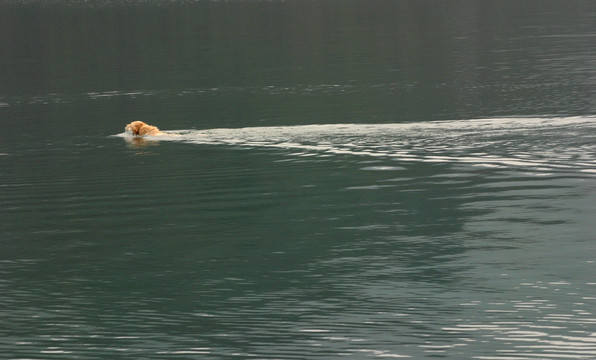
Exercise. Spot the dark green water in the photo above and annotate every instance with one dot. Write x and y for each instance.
(349, 179)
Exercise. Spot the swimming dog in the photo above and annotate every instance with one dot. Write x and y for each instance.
(139, 128)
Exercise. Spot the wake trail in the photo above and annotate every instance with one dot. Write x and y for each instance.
(544, 144)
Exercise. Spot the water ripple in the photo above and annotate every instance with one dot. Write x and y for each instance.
(539, 145)
(533, 327)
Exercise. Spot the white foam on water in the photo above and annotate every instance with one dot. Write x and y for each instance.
(542, 145)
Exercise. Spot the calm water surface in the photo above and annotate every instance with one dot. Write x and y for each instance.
(387, 179)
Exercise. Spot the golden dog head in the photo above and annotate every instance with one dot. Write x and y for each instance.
(139, 128)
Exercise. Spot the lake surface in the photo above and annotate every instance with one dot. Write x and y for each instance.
(338, 179)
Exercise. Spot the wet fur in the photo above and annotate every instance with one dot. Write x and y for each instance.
(139, 128)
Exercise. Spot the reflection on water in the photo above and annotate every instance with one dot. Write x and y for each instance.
(135, 142)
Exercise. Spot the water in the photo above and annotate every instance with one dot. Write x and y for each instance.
(340, 179)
